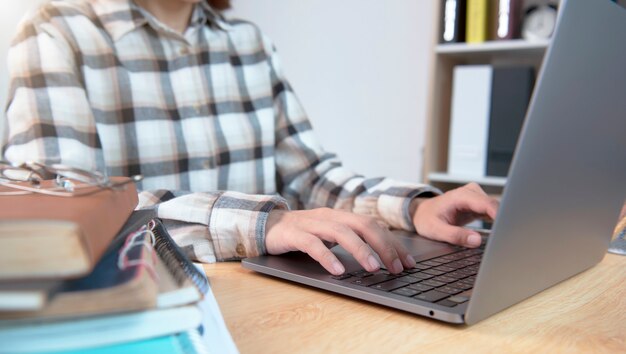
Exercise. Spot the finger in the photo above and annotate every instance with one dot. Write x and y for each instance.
(478, 203)
(475, 187)
(380, 239)
(456, 235)
(403, 253)
(350, 241)
(315, 248)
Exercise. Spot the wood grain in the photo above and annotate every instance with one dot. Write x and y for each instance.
(585, 314)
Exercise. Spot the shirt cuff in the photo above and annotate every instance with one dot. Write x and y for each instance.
(394, 209)
(237, 224)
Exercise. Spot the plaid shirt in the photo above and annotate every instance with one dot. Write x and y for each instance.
(207, 117)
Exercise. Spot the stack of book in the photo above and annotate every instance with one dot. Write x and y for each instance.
(87, 274)
(476, 21)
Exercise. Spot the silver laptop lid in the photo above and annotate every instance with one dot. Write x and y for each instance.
(566, 182)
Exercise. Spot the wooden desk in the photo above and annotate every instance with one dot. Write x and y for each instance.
(585, 314)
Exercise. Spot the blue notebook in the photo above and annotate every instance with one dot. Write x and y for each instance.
(188, 342)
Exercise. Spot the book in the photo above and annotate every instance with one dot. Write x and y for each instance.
(506, 19)
(123, 280)
(45, 236)
(469, 125)
(188, 342)
(477, 21)
(453, 21)
(134, 274)
(26, 295)
(20, 336)
(511, 89)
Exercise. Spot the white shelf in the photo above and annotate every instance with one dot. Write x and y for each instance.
(448, 178)
(516, 47)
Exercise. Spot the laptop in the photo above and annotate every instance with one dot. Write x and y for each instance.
(562, 199)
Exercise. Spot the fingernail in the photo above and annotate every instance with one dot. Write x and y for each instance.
(338, 269)
(397, 266)
(410, 261)
(373, 262)
(474, 240)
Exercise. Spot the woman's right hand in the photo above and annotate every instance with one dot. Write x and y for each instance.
(362, 236)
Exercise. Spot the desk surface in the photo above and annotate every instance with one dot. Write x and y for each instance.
(265, 315)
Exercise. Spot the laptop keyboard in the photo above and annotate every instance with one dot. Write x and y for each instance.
(446, 280)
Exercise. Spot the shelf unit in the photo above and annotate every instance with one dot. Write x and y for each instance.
(445, 57)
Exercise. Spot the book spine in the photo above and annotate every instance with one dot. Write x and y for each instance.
(175, 260)
(507, 19)
(453, 24)
(471, 94)
(477, 14)
(510, 94)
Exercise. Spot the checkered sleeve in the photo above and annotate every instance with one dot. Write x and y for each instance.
(214, 226)
(309, 177)
(49, 119)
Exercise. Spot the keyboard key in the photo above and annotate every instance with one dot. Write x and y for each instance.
(420, 266)
(420, 287)
(389, 285)
(361, 274)
(431, 263)
(406, 291)
(342, 276)
(458, 299)
(462, 286)
(374, 279)
(456, 265)
(444, 268)
(449, 290)
(421, 276)
(440, 260)
(408, 279)
(434, 283)
(456, 274)
(431, 296)
(434, 272)
(447, 303)
(445, 279)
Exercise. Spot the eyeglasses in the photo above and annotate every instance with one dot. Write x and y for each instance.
(69, 181)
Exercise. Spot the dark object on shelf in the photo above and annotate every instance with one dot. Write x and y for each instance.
(453, 21)
(510, 93)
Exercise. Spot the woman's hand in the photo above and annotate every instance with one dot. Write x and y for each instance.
(440, 218)
(307, 230)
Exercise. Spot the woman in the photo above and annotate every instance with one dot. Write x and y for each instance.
(199, 106)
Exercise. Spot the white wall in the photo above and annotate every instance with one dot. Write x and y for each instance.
(361, 69)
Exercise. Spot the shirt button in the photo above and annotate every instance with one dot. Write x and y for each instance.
(183, 50)
(206, 164)
(241, 250)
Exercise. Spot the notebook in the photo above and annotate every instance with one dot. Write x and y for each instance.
(44, 236)
(558, 209)
(188, 342)
(91, 332)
